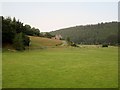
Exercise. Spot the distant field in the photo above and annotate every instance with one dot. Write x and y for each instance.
(84, 67)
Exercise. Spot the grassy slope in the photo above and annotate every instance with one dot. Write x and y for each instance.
(37, 42)
(85, 67)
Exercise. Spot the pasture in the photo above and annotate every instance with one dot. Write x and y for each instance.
(61, 67)
(40, 42)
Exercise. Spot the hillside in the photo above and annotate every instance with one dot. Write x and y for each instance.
(91, 34)
(38, 42)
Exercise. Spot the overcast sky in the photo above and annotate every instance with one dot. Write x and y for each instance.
(49, 16)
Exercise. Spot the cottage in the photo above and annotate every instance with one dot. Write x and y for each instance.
(57, 36)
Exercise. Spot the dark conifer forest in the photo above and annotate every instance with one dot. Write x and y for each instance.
(100, 33)
(16, 33)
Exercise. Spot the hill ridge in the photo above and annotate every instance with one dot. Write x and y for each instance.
(91, 34)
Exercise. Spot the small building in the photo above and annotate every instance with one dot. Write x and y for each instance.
(57, 36)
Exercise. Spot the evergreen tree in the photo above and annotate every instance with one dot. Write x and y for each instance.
(15, 33)
(18, 42)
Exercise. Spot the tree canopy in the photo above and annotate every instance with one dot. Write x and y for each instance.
(16, 33)
(91, 34)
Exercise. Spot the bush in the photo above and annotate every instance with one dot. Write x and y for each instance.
(21, 41)
(18, 42)
(26, 40)
(74, 45)
(104, 45)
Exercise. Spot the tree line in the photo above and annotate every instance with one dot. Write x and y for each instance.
(17, 34)
(101, 33)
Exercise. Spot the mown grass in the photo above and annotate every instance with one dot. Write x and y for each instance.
(84, 67)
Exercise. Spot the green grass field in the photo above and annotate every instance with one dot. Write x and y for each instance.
(88, 66)
(60, 67)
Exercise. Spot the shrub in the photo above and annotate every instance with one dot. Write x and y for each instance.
(74, 45)
(26, 40)
(105, 45)
(18, 42)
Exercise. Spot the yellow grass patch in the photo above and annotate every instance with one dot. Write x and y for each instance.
(40, 41)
